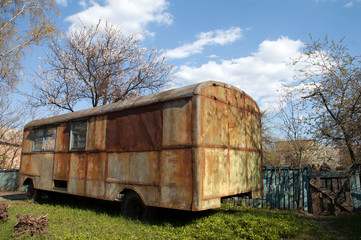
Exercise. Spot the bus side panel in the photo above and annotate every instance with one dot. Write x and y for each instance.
(27, 146)
(61, 166)
(135, 170)
(95, 175)
(30, 165)
(135, 129)
(177, 123)
(46, 171)
(62, 137)
(238, 172)
(176, 181)
(139, 168)
(77, 173)
(96, 133)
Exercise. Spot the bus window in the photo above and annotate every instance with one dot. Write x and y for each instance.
(44, 139)
(78, 135)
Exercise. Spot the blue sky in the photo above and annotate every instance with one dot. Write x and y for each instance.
(246, 43)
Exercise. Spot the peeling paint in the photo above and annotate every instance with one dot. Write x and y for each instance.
(184, 148)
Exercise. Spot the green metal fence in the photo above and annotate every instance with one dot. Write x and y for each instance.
(299, 188)
(9, 180)
(284, 188)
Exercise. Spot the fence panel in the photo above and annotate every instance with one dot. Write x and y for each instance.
(9, 180)
(334, 192)
(284, 188)
(355, 187)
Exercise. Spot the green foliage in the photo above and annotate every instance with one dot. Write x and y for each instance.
(91, 219)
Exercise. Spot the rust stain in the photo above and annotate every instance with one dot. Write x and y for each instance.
(27, 141)
(61, 166)
(96, 141)
(182, 149)
(140, 129)
(62, 137)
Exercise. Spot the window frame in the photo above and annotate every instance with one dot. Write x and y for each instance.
(44, 137)
(71, 145)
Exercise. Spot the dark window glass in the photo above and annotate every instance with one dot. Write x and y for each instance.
(44, 139)
(78, 135)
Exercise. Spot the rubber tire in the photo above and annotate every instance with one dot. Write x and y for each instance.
(133, 207)
(32, 193)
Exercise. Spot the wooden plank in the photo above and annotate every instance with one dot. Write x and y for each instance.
(304, 189)
(273, 187)
(264, 202)
(269, 184)
(287, 189)
(282, 189)
(329, 174)
(277, 183)
(327, 204)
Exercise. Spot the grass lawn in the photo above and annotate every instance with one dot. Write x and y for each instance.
(82, 218)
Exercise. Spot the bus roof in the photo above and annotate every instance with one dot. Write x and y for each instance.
(173, 94)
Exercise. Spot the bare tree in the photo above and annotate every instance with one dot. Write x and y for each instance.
(294, 127)
(10, 135)
(331, 85)
(22, 23)
(98, 66)
(269, 138)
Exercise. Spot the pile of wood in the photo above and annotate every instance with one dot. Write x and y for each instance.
(4, 214)
(29, 224)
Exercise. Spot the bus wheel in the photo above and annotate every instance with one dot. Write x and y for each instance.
(134, 208)
(32, 193)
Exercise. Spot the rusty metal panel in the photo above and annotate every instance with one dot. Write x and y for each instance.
(77, 173)
(62, 137)
(180, 151)
(199, 202)
(253, 131)
(30, 165)
(176, 178)
(96, 133)
(177, 123)
(46, 171)
(238, 172)
(27, 145)
(135, 129)
(61, 166)
(95, 176)
(237, 128)
(214, 125)
(216, 173)
(235, 98)
(134, 167)
(251, 105)
(255, 176)
(216, 92)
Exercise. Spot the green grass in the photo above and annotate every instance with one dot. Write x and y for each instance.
(82, 218)
(347, 225)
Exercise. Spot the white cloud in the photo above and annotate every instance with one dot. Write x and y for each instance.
(83, 3)
(216, 37)
(63, 3)
(131, 16)
(259, 75)
(349, 4)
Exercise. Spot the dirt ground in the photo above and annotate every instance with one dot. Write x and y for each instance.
(327, 223)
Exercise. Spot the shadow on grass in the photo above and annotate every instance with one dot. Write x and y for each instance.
(112, 208)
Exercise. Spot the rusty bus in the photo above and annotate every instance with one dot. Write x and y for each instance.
(184, 149)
